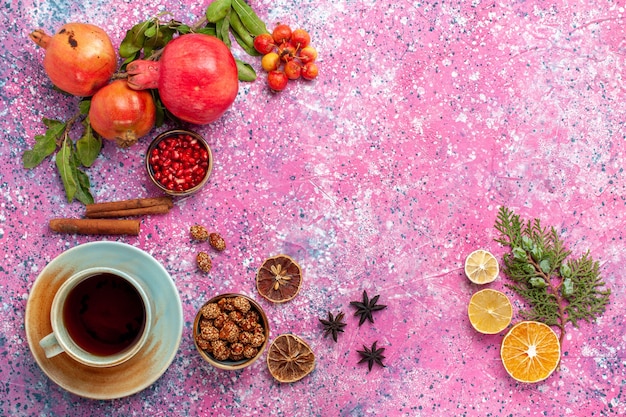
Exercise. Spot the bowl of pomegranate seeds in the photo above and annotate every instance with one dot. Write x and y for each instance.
(179, 162)
(231, 331)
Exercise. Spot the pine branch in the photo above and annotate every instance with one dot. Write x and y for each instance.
(557, 290)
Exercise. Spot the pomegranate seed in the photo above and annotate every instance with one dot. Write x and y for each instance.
(179, 162)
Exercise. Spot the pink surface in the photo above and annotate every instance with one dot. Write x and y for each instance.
(383, 174)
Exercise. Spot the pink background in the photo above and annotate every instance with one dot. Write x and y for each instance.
(383, 174)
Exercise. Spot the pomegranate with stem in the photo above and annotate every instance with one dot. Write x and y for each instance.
(196, 77)
(79, 58)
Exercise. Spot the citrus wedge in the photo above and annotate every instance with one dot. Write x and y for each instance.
(481, 267)
(490, 311)
(530, 351)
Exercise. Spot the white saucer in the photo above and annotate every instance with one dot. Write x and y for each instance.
(152, 360)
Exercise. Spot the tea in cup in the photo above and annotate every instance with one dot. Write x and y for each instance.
(100, 317)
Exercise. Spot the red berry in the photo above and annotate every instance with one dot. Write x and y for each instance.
(286, 51)
(309, 71)
(300, 38)
(307, 54)
(277, 80)
(270, 61)
(281, 33)
(264, 43)
(293, 69)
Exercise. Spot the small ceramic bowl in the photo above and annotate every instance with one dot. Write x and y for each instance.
(251, 339)
(179, 162)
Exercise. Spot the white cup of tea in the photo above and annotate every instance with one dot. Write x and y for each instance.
(100, 317)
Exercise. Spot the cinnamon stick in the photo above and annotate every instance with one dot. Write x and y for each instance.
(133, 207)
(95, 226)
(140, 211)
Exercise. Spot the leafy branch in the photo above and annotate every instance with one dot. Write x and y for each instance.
(557, 289)
(71, 155)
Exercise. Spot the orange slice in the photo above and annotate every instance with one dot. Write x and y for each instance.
(530, 351)
(279, 279)
(490, 311)
(290, 358)
(481, 267)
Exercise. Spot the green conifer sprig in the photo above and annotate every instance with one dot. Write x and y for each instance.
(557, 290)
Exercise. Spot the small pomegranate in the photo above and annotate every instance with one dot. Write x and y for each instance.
(196, 77)
(79, 58)
(121, 114)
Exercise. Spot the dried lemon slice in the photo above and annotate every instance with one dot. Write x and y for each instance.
(290, 358)
(530, 351)
(481, 267)
(279, 279)
(490, 311)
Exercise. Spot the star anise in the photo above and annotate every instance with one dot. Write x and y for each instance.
(372, 356)
(366, 308)
(333, 325)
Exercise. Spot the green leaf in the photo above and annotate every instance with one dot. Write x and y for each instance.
(208, 30)
(55, 127)
(67, 170)
(84, 106)
(150, 31)
(527, 243)
(88, 146)
(247, 48)
(538, 282)
(223, 29)
(162, 36)
(568, 287)
(218, 10)
(565, 271)
(249, 18)
(183, 29)
(134, 39)
(45, 144)
(519, 253)
(129, 60)
(537, 253)
(245, 71)
(161, 111)
(83, 193)
(545, 265)
(241, 31)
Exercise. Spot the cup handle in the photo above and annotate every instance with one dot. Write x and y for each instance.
(50, 345)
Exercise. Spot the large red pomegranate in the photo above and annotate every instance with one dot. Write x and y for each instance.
(121, 114)
(196, 77)
(79, 58)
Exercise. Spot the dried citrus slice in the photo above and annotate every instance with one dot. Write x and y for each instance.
(481, 267)
(290, 358)
(279, 279)
(490, 311)
(530, 351)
